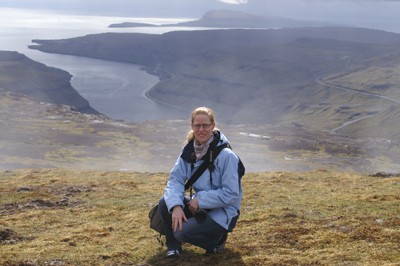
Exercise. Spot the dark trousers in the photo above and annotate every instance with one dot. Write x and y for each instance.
(199, 231)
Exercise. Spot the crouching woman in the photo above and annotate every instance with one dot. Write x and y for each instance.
(206, 217)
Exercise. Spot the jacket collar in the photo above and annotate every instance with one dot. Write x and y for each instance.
(188, 154)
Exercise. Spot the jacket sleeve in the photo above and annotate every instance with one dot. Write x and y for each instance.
(174, 191)
(230, 189)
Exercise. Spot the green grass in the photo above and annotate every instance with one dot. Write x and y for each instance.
(66, 217)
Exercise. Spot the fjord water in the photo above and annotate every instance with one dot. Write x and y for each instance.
(114, 89)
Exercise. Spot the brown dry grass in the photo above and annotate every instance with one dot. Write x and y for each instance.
(65, 217)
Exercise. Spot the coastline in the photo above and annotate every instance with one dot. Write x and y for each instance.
(162, 76)
(146, 94)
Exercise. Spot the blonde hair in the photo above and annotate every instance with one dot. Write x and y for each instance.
(200, 111)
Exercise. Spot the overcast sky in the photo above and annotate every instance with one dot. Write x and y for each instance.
(381, 13)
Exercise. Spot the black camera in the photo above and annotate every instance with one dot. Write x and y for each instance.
(201, 215)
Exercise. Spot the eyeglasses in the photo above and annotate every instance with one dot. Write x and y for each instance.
(198, 126)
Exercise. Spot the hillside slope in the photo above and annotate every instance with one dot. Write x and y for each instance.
(42, 135)
(63, 217)
(258, 76)
(19, 74)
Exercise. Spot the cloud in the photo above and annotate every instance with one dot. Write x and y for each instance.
(234, 2)
(361, 1)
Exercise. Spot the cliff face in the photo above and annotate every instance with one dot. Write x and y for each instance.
(19, 74)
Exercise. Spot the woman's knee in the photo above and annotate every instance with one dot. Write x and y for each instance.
(181, 235)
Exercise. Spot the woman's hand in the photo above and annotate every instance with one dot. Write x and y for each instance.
(178, 216)
(193, 205)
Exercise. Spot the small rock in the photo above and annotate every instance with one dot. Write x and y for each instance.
(6, 234)
(24, 189)
(55, 262)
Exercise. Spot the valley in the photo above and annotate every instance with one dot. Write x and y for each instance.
(301, 88)
(263, 76)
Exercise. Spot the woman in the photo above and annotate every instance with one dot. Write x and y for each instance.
(205, 218)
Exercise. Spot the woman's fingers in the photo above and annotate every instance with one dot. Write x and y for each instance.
(178, 216)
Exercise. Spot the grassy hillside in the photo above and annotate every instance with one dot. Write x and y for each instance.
(66, 217)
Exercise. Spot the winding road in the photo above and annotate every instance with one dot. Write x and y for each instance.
(356, 91)
(333, 131)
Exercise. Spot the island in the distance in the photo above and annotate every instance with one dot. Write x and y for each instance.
(232, 19)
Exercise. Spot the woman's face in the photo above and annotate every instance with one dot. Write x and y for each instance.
(202, 128)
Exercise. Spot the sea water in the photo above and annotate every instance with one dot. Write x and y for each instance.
(114, 89)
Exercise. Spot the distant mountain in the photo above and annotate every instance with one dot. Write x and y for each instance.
(19, 74)
(233, 19)
(313, 78)
(131, 25)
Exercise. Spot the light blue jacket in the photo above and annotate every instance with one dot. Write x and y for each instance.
(223, 196)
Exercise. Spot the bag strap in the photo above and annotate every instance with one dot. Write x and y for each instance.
(208, 163)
